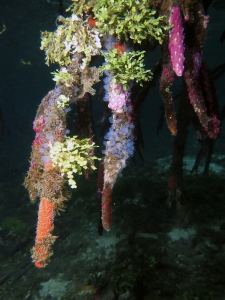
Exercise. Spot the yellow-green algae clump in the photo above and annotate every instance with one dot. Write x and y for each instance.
(128, 66)
(72, 156)
(129, 19)
(72, 36)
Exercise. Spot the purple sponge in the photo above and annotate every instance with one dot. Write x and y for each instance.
(176, 41)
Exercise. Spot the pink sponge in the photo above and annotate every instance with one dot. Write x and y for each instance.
(176, 41)
(117, 96)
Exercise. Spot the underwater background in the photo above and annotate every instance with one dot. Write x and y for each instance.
(148, 252)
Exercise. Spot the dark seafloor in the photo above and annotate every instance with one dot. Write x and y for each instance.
(147, 254)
